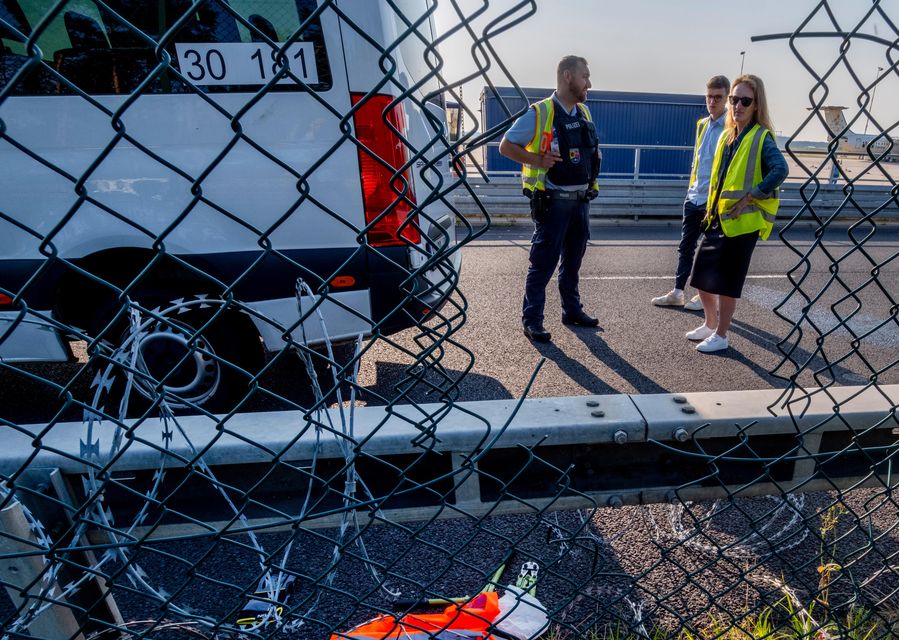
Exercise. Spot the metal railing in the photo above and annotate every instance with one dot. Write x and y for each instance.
(636, 174)
(830, 161)
(664, 199)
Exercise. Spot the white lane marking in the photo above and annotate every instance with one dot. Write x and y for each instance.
(879, 330)
(753, 277)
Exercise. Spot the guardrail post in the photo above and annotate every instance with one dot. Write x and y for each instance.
(637, 163)
(804, 469)
(21, 575)
(469, 491)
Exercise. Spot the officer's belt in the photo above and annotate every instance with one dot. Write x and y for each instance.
(558, 194)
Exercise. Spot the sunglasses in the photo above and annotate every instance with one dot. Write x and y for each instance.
(735, 100)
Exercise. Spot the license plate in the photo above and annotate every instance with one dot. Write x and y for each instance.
(244, 63)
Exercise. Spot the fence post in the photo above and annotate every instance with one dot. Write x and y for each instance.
(22, 573)
(637, 163)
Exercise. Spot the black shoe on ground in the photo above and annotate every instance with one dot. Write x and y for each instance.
(580, 319)
(536, 332)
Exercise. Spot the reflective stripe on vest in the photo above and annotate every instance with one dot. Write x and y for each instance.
(533, 178)
(701, 125)
(744, 173)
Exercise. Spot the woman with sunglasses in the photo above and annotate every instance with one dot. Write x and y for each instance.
(746, 172)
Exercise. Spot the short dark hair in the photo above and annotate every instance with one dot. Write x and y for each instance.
(569, 63)
(718, 82)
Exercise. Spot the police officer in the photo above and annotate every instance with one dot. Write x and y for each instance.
(556, 143)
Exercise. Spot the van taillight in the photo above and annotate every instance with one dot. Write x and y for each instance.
(377, 196)
(341, 282)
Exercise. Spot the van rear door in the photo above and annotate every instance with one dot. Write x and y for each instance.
(251, 179)
(390, 46)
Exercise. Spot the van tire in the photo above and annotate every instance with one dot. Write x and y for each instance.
(211, 372)
(343, 353)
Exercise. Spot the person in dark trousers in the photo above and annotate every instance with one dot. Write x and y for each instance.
(556, 143)
(743, 200)
(708, 130)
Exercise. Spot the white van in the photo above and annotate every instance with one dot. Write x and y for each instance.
(145, 163)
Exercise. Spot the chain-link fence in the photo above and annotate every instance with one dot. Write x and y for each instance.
(212, 211)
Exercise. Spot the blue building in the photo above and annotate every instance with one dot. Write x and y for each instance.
(622, 118)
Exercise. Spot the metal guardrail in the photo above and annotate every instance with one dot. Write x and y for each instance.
(489, 457)
(501, 196)
(636, 174)
(799, 150)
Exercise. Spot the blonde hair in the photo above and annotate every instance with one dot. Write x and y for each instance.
(762, 116)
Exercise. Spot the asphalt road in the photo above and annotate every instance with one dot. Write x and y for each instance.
(639, 348)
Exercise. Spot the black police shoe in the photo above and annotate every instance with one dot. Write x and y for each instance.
(579, 319)
(536, 332)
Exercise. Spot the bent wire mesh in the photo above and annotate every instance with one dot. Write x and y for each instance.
(212, 212)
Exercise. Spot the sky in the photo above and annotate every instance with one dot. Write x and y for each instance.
(674, 46)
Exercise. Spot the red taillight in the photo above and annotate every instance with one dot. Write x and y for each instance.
(341, 282)
(5, 300)
(383, 156)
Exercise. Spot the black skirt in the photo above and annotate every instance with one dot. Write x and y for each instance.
(722, 263)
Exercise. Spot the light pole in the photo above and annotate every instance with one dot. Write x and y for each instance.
(873, 93)
(742, 60)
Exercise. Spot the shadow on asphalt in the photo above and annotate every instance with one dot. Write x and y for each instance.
(38, 393)
(599, 348)
(395, 380)
(833, 373)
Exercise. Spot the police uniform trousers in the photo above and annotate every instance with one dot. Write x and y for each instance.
(563, 234)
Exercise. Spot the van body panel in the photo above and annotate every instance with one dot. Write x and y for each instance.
(425, 121)
(31, 339)
(310, 155)
(256, 187)
(332, 318)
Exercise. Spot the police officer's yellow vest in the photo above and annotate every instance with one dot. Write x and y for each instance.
(744, 173)
(701, 125)
(532, 178)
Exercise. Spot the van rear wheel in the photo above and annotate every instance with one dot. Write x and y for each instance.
(326, 372)
(190, 352)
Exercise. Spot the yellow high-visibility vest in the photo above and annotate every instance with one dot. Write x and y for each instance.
(744, 173)
(701, 125)
(533, 178)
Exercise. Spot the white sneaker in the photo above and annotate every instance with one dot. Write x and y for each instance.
(670, 299)
(711, 344)
(700, 333)
(695, 304)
